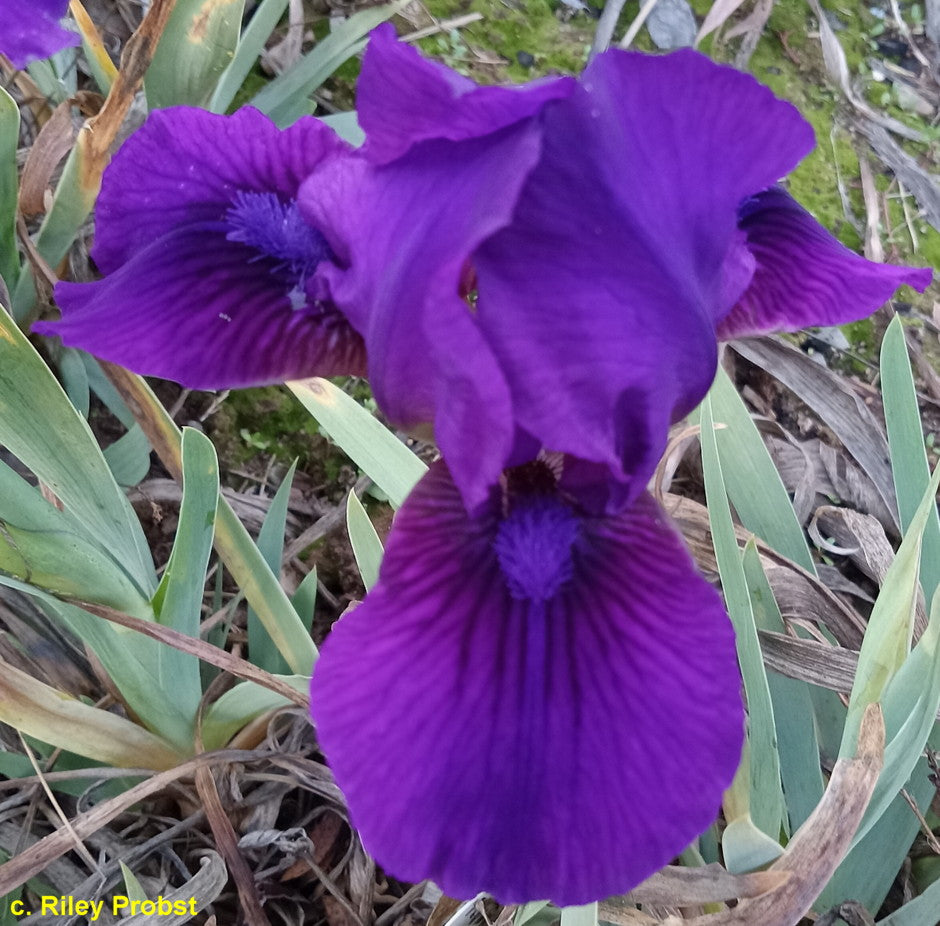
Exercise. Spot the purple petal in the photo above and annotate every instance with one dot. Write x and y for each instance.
(403, 98)
(564, 750)
(404, 233)
(803, 275)
(30, 30)
(185, 166)
(207, 312)
(599, 299)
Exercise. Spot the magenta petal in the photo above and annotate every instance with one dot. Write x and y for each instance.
(185, 165)
(803, 275)
(562, 751)
(403, 98)
(208, 313)
(30, 30)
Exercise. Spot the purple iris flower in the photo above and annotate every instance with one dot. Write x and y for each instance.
(540, 698)
(210, 271)
(534, 700)
(29, 29)
(612, 226)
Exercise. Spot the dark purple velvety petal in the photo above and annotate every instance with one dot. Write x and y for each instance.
(185, 165)
(803, 275)
(403, 98)
(600, 298)
(562, 751)
(208, 313)
(403, 233)
(30, 29)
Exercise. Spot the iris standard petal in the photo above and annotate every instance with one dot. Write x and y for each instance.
(185, 165)
(600, 298)
(207, 312)
(403, 98)
(30, 30)
(402, 235)
(805, 276)
(562, 750)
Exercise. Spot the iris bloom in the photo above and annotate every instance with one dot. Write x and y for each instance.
(30, 29)
(539, 698)
(609, 229)
(210, 270)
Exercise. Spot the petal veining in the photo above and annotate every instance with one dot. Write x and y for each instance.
(564, 749)
(803, 275)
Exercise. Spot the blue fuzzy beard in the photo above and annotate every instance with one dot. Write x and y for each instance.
(276, 230)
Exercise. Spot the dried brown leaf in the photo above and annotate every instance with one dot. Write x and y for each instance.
(99, 133)
(227, 844)
(821, 664)
(720, 12)
(30, 862)
(199, 648)
(53, 143)
(796, 591)
(684, 887)
(820, 844)
(923, 185)
(834, 401)
(203, 888)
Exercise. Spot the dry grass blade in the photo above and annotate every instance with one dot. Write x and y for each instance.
(874, 249)
(203, 888)
(53, 143)
(685, 887)
(840, 408)
(99, 133)
(820, 844)
(831, 667)
(751, 29)
(227, 843)
(30, 862)
(634, 28)
(838, 68)
(202, 650)
(924, 186)
(797, 592)
(720, 12)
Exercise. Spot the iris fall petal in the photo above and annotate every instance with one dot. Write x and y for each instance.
(562, 750)
(803, 275)
(210, 269)
(30, 29)
(224, 318)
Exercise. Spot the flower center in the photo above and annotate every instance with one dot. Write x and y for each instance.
(276, 229)
(533, 545)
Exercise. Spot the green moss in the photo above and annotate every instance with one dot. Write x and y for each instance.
(558, 44)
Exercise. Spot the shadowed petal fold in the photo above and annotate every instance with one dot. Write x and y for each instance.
(564, 749)
(403, 98)
(803, 275)
(30, 30)
(208, 317)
